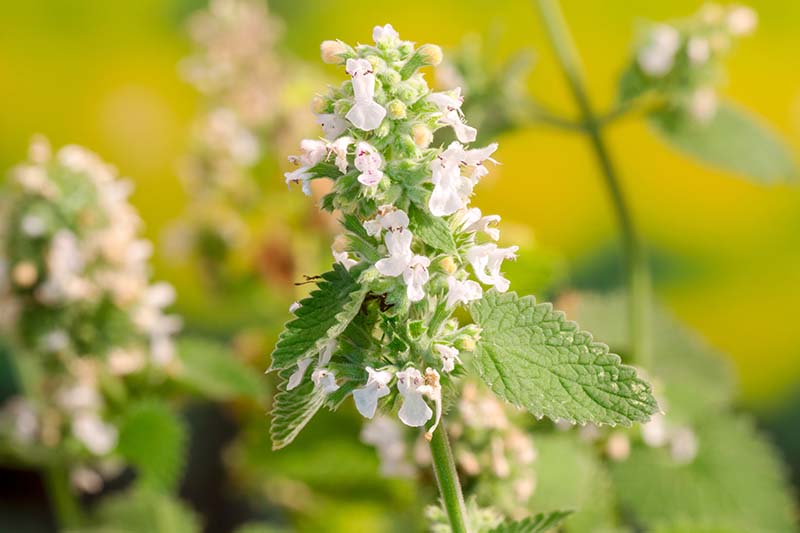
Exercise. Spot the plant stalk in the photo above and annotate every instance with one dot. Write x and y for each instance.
(637, 273)
(55, 476)
(447, 479)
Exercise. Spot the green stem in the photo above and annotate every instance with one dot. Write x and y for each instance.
(447, 479)
(55, 475)
(637, 274)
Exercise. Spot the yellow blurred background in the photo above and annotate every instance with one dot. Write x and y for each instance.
(104, 74)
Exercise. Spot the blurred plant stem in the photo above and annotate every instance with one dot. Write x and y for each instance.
(447, 479)
(637, 273)
(54, 474)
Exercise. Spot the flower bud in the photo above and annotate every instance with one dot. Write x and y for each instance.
(448, 265)
(340, 243)
(431, 54)
(466, 344)
(332, 52)
(25, 274)
(422, 135)
(318, 105)
(396, 110)
(383, 130)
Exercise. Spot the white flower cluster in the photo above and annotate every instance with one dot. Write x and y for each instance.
(377, 132)
(489, 448)
(249, 112)
(684, 57)
(76, 294)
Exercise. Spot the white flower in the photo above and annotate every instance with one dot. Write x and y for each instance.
(451, 189)
(384, 34)
(86, 480)
(398, 244)
(369, 162)
(122, 362)
(618, 446)
(449, 105)
(33, 226)
(472, 221)
(655, 432)
(416, 276)
(366, 114)
(699, 50)
(366, 398)
(55, 341)
(388, 218)
(486, 260)
(332, 125)
(79, 397)
(98, 437)
(414, 412)
(658, 55)
(325, 380)
(297, 376)
(433, 390)
(703, 105)
(449, 356)
(742, 20)
(339, 149)
(387, 436)
(302, 176)
(343, 258)
(462, 291)
(19, 416)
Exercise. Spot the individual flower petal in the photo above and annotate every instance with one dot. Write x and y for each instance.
(332, 125)
(343, 258)
(297, 376)
(449, 105)
(98, 437)
(414, 412)
(339, 149)
(472, 221)
(327, 352)
(366, 398)
(384, 34)
(433, 390)
(658, 55)
(398, 244)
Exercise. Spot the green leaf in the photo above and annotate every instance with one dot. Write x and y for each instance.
(359, 240)
(693, 377)
(569, 475)
(735, 483)
(152, 438)
(321, 317)
(533, 357)
(433, 231)
(293, 409)
(539, 523)
(212, 370)
(142, 511)
(734, 141)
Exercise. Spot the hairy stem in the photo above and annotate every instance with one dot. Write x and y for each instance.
(637, 274)
(447, 479)
(55, 476)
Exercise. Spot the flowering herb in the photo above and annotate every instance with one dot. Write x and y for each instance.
(381, 326)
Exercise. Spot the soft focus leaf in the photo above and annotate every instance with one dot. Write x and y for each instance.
(141, 511)
(293, 409)
(533, 357)
(539, 523)
(321, 317)
(433, 231)
(733, 140)
(152, 438)
(735, 483)
(211, 369)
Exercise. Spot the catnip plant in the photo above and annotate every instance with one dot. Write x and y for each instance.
(385, 325)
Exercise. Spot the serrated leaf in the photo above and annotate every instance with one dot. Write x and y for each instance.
(531, 356)
(734, 140)
(212, 370)
(735, 483)
(693, 377)
(433, 231)
(321, 317)
(539, 523)
(142, 511)
(293, 409)
(152, 438)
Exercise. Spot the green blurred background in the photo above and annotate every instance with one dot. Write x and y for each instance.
(104, 74)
